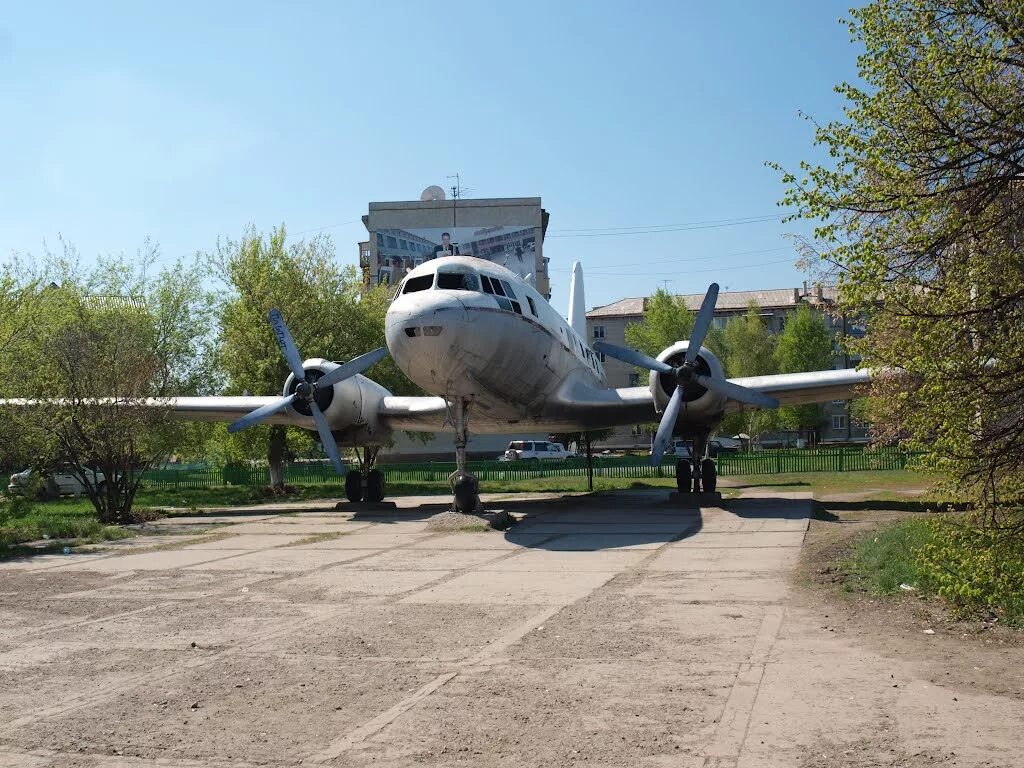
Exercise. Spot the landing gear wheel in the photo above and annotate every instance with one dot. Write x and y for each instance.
(467, 497)
(374, 485)
(683, 478)
(354, 485)
(709, 473)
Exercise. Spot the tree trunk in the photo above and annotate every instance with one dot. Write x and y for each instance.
(275, 456)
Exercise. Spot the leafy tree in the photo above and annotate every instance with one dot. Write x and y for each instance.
(100, 350)
(326, 309)
(918, 215)
(805, 344)
(750, 351)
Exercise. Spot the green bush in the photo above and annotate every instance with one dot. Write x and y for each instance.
(975, 569)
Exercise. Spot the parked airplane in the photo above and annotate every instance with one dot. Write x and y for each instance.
(496, 358)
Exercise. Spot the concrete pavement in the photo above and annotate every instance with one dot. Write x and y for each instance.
(611, 630)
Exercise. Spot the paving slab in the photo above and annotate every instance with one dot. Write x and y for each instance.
(160, 560)
(371, 538)
(725, 559)
(248, 542)
(489, 587)
(287, 560)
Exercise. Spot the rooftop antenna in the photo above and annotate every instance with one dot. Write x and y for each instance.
(456, 189)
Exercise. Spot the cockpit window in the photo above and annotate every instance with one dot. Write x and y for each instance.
(458, 280)
(421, 283)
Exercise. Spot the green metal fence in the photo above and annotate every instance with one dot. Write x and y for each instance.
(632, 467)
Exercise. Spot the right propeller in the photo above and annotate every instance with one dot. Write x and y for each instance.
(686, 373)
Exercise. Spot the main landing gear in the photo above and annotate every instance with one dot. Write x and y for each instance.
(465, 487)
(365, 483)
(698, 475)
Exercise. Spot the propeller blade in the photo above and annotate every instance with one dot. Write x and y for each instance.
(665, 428)
(255, 417)
(737, 392)
(287, 344)
(633, 357)
(702, 323)
(326, 438)
(352, 367)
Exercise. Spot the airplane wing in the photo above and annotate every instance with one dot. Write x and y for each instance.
(808, 387)
(595, 408)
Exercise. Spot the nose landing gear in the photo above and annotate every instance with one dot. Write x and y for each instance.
(465, 487)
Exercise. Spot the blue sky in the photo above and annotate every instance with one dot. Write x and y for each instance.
(187, 121)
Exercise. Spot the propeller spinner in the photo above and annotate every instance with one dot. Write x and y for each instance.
(305, 391)
(686, 373)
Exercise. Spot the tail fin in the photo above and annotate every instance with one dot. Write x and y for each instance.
(577, 303)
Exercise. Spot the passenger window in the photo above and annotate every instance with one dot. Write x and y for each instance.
(533, 309)
(421, 283)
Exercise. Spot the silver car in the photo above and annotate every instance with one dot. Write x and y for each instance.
(60, 482)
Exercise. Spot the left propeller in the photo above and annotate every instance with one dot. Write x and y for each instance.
(305, 391)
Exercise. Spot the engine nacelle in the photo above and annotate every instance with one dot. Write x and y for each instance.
(700, 406)
(351, 407)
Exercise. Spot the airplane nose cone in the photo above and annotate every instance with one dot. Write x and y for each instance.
(419, 329)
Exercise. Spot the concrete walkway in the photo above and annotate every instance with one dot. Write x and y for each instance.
(611, 630)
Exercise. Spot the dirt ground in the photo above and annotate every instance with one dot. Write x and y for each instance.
(614, 630)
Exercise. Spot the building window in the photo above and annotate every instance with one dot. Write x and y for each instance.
(598, 331)
(839, 422)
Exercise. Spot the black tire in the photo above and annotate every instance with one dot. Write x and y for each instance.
(709, 473)
(684, 480)
(466, 494)
(354, 485)
(374, 485)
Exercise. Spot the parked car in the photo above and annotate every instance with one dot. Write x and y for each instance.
(679, 448)
(535, 450)
(58, 482)
(726, 444)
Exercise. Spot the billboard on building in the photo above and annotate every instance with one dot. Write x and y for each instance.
(508, 231)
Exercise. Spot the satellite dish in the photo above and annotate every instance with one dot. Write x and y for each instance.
(433, 192)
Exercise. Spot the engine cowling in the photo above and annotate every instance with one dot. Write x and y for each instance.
(351, 406)
(700, 404)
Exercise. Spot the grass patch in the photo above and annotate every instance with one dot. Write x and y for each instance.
(883, 560)
(978, 572)
(22, 521)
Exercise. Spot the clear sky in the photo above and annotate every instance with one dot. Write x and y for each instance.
(187, 121)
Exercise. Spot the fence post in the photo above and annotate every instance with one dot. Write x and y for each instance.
(842, 453)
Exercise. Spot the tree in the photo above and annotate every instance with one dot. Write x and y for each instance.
(100, 350)
(327, 310)
(805, 344)
(919, 215)
(750, 351)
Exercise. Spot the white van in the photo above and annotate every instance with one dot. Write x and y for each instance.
(535, 450)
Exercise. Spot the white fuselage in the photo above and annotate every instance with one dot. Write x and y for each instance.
(462, 327)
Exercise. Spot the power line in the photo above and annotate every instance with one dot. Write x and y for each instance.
(622, 231)
(597, 270)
